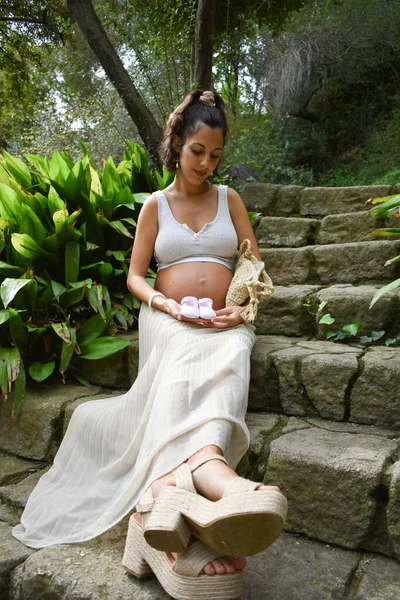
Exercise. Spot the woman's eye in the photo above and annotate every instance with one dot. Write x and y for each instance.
(196, 151)
(215, 157)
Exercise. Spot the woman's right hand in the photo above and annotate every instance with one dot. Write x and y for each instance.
(173, 308)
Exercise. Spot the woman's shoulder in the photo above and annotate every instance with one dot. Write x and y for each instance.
(234, 198)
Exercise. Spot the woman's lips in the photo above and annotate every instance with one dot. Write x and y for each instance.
(199, 173)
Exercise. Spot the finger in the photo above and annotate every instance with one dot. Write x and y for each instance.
(224, 311)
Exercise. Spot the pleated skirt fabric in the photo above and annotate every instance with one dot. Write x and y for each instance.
(191, 391)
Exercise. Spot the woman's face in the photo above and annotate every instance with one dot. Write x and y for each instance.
(200, 154)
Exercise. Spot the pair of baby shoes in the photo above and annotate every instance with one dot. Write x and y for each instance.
(193, 308)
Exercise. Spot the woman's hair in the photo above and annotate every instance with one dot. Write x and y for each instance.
(198, 108)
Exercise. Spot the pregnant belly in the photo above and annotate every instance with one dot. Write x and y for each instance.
(199, 279)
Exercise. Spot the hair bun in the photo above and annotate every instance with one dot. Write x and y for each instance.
(207, 98)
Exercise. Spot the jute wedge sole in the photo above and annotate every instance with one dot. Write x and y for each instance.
(181, 578)
(237, 525)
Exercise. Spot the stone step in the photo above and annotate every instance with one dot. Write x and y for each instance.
(289, 201)
(342, 481)
(285, 313)
(295, 232)
(326, 380)
(311, 569)
(358, 262)
(288, 376)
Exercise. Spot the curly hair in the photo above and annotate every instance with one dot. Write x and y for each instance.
(198, 108)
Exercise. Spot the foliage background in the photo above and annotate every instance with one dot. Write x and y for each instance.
(313, 94)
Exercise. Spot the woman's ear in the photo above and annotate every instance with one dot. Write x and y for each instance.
(176, 143)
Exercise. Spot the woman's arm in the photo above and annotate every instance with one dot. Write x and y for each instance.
(230, 316)
(142, 252)
(241, 221)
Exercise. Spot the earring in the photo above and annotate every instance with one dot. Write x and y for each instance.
(177, 165)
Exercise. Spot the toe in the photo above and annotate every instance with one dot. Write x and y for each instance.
(228, 564)
(239, 562)
(218, 566)
(209, 569)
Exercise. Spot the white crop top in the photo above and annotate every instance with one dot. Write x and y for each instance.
(176, 243)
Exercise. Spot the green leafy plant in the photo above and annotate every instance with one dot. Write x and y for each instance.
(66, 234)
(389, 205)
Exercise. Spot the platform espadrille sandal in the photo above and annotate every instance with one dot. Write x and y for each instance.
(242, 523)
(181, 578)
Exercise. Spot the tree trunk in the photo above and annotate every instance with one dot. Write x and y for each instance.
(205, 18)
(91, 27)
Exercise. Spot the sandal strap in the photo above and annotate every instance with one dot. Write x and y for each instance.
(183, 478)
(203, 459)
(240, 485)
(194, 559)
(146, 502)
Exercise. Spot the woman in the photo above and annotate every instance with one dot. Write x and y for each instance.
(188, 403)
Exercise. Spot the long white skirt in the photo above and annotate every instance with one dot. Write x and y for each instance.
(191, 391)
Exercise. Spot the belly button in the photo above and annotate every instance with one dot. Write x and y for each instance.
(202, 280)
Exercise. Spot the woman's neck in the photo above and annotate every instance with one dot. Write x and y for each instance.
(187, 189)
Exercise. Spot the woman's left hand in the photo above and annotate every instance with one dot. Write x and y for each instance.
(226, 318)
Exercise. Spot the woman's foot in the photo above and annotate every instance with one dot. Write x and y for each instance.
(220, 566)
(213, 477)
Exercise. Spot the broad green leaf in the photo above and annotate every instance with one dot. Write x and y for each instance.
(140, 197)
(85, 283)
(10, 205)
(322, 305)
(72, 257)
(95, 298)
(40, 371)
(10, 288)
(79, 377)
(331, 335)
(60, 218)
(55, 202)
(76, 187)
(41, 163)
(93, 327)
(129, 221)
(390, 203)
(4, 316)
(57, 288)
(9, 367)
(392, 260)
(386, 233)
(59, 170)
(62, 331)
(95, 184)
(390, 287)
(71, 297)
(102, 347)
(67, 351)
(124, 197)
(119, 255)
(351, 328)
(253, 216)
(19, 391)
(120, 227)
(111, 182)
(327, 320)
(18, 170)
(26, 246)
(17, 330)
(32, 225)
(377, 335)
(6, 269)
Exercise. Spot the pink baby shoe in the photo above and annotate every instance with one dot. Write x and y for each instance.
(190, 307)
(205, 308)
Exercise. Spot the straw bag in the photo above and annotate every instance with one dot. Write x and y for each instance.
(250, 280)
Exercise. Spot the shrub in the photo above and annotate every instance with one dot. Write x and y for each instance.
(66, 233)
